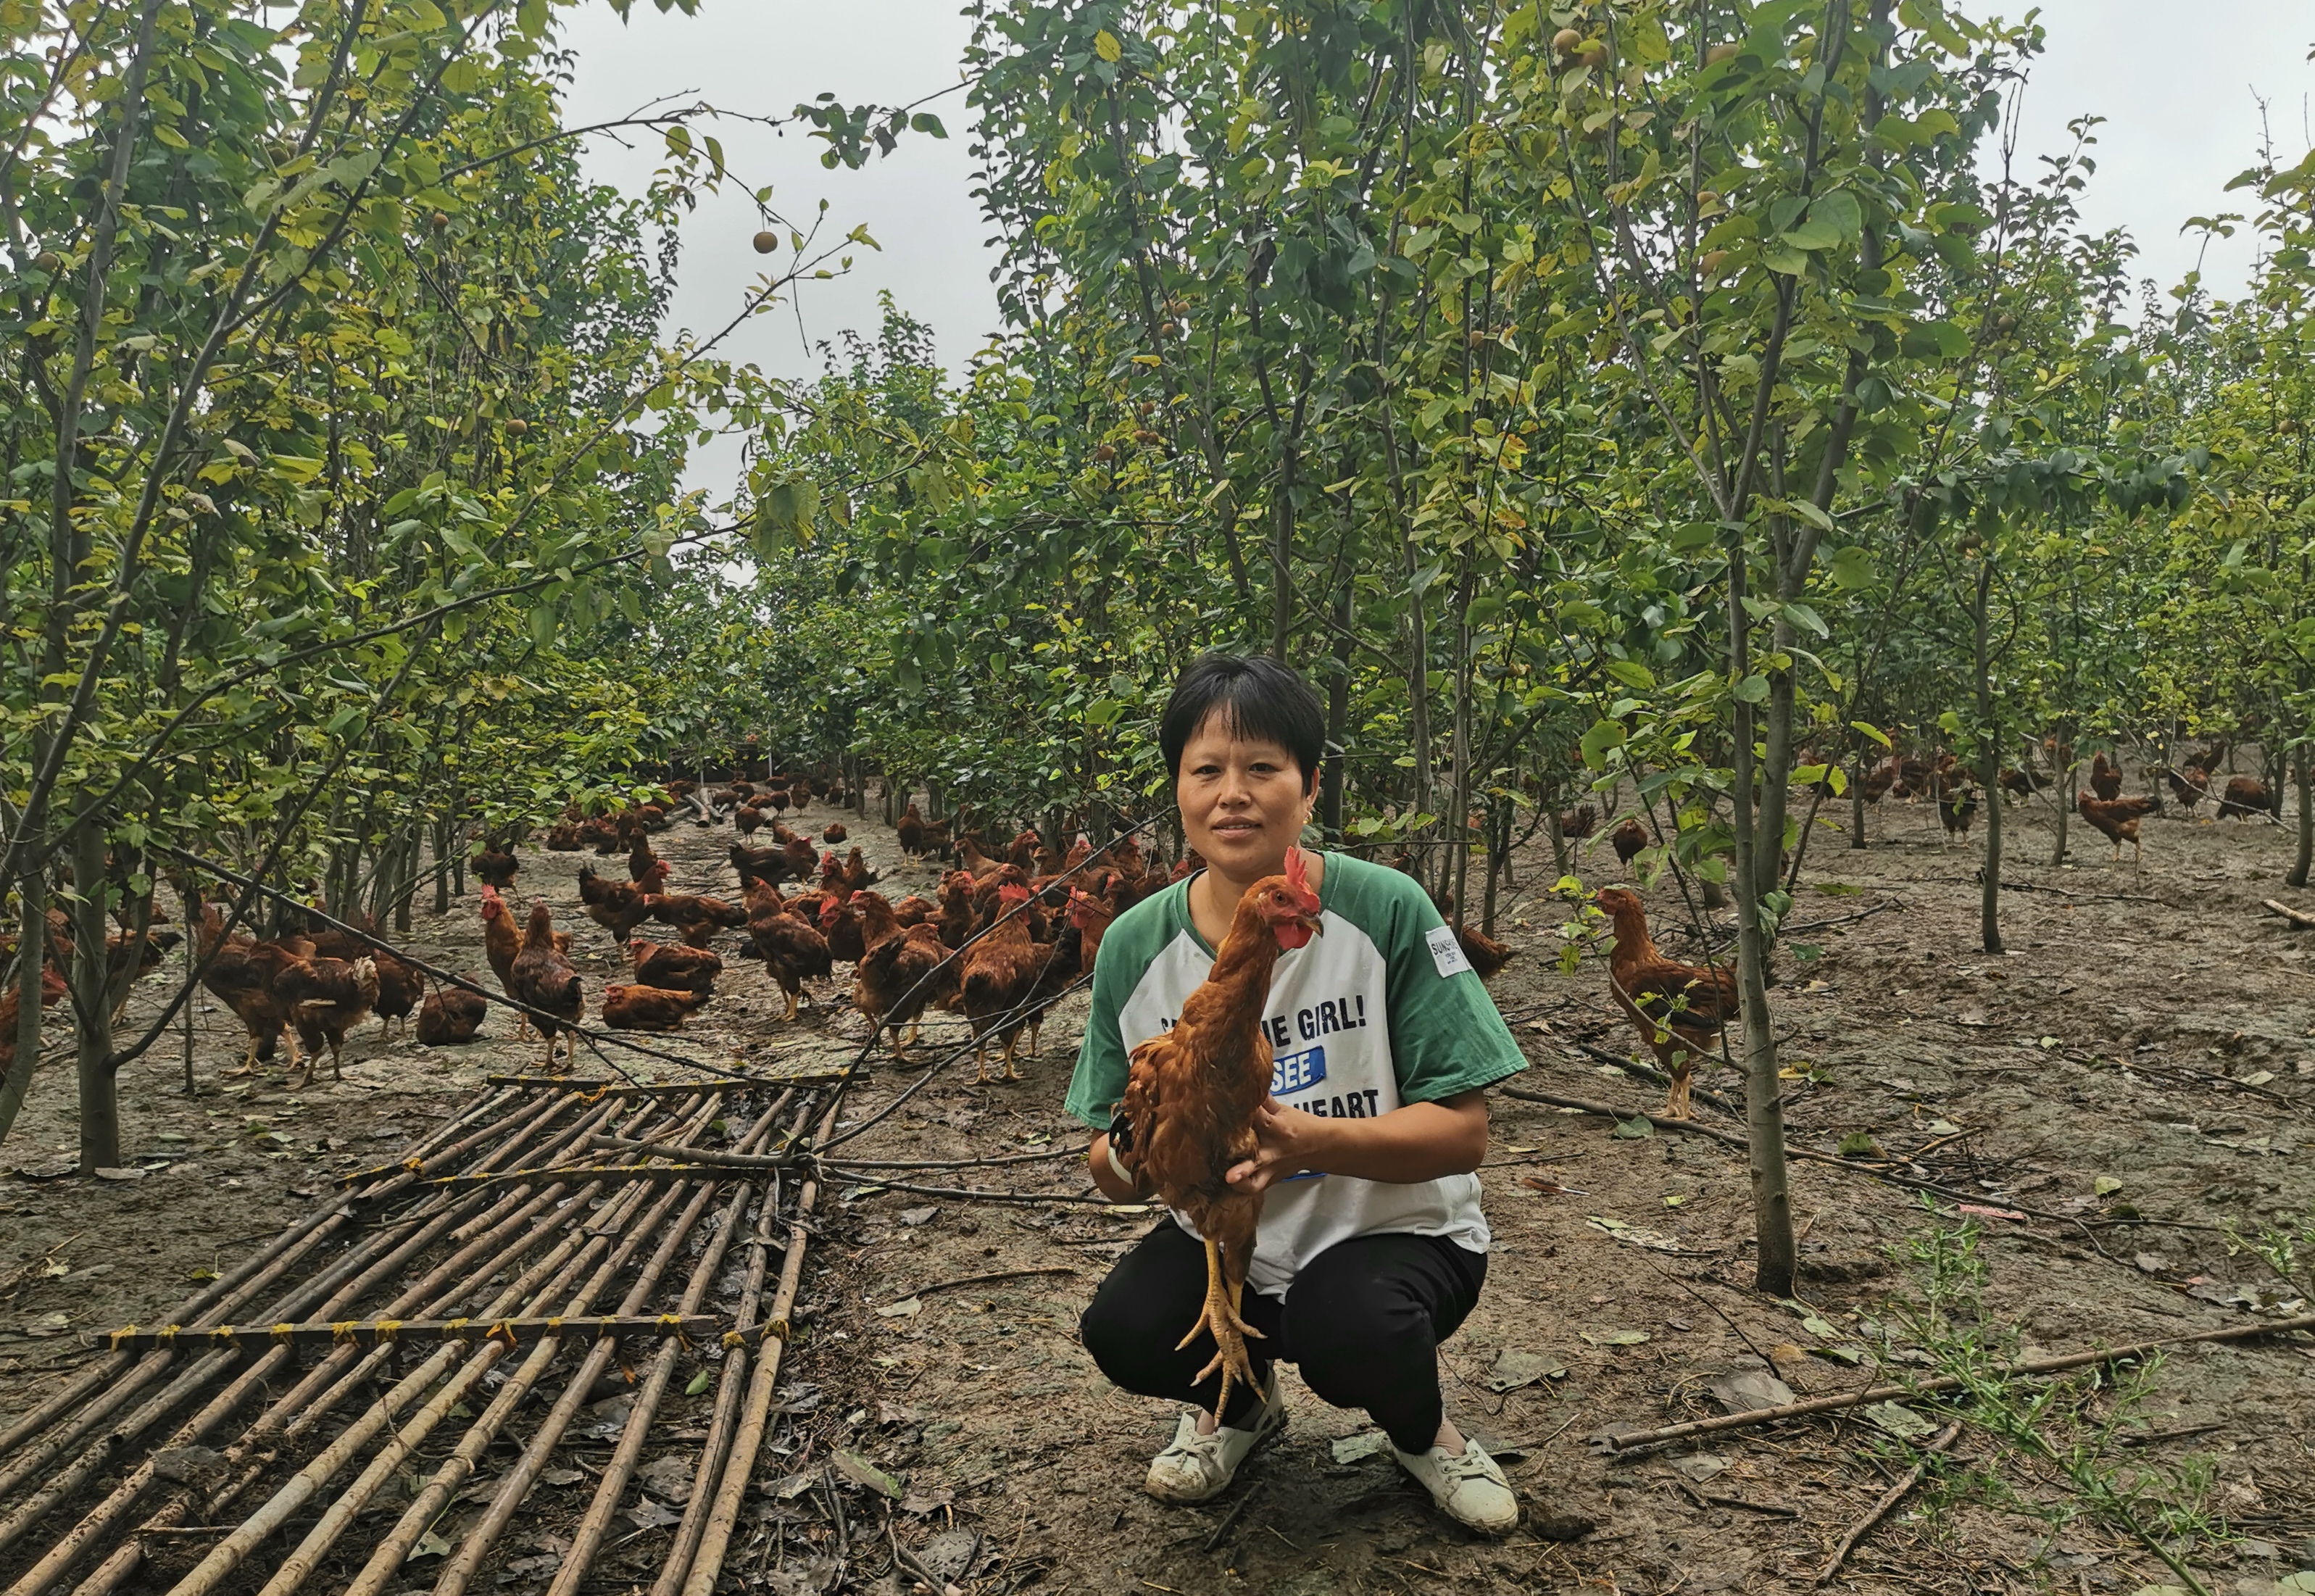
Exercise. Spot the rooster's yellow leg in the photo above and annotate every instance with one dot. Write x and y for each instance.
(1219, 1318)
(1681, 1070)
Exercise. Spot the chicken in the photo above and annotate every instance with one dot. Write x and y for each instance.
(688, 968)
(2117, 821)
(915, 910)
(649, 1008)
(1488, 956)
(1880, 779)
(450, 1018)
(1956, 804)
(956, 907)
(803, 857)
(2105, 780)
(1682, 1011)
(749, 821)
(1191, 1095)
(1024, 849)
(2246, 795)
(500, 942)
(400, 983)
(2189, 786)
(696, 918)
(240, 972)
(328, 998)
(791, 949)
(495, 866)
(642, 863)
(835, 833)
(1628, 840)
(619, 907)
(1065, 960)
(1093, 917)
(911, 830)
(52, 987)
(757, 864)
(542, 977)
(2018, 783)
(1576, 824)
(995, 975)
(898, 979)
(857, 872)
(970, 857)
(838, 926)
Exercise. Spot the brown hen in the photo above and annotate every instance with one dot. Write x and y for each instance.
(1682, 1011)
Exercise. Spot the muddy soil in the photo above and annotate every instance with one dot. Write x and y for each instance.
(2134, 1078)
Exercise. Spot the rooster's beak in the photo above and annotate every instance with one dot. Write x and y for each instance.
(1311, 924)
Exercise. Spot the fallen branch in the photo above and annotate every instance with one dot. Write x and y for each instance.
(840, 1176)
(2010, 886)
(1809, 1408)
(2298, 918)
(983, 1279)
(1650, 1072)
(1229, 1519)
(1889, 1499)
(1862, 914)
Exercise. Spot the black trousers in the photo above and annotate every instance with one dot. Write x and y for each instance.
(1362, 1321)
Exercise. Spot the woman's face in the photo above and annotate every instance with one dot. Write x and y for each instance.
(1244, 802)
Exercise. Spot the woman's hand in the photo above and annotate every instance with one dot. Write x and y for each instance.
(1420, 1141)
(1289, 1142)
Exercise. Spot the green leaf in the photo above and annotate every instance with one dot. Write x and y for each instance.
(543, 623)
(1853, 568)
(1603, 736)
(1105, 46)
(1752, 690)
(1872, 731)
(699, 1382)
(1632, 674)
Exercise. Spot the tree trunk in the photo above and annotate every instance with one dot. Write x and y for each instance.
(1857, 769)
(1778, 1259)
(32, 941)
(2302, 771)
(92, 1001)
(1334, 783)
(442, 866)
(1988, 744)
(1498, 835)
(2065, 784)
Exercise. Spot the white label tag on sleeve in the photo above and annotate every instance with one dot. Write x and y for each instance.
(1446, 952)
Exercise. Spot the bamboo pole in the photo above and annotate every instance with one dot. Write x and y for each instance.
(299, 1408)
(391, 1332)
(707, 1566)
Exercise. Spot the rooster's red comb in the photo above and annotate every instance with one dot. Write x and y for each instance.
(1298, 876)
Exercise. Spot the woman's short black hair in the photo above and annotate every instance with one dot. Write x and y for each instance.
(1258, 697)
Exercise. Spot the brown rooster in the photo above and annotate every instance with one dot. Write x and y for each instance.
(2105, 780)
(500, 942)
(642, 863)
(2189, 786)
(542, 977)
(1191, 1096)
(241, 974)
(1576, 824)
(450, 1018)
(696, 918)
(1680, 1011)
(2117, 821)
(835, 833)
(649, 1008)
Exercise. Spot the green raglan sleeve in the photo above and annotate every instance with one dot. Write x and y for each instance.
(1099, 1081)
(1446, 1034)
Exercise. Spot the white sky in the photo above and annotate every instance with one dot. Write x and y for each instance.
(2178, 91)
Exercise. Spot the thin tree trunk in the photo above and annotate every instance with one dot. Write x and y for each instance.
(1335, 781)
(1989, 743)
(92, 1001)
(1857, 769)
(1777, 1264)
(2302, 769)
(2065, 784)
(31, 942)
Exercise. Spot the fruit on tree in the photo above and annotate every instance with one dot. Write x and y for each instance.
(766, 242)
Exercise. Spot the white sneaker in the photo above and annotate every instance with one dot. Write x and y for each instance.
(1197, 1468)
(1471, 1487)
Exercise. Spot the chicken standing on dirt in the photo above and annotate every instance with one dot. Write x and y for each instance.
(240, 972)
(996, 974)
(1191, 1096)
(2105, 780)
(496, 867)
(2117, 822)
(2245, 796)
(897, 980)
(791, 950)
(500, 942)
(1682, 1011)
(1629, 840)
(619, 907)
(542, 978)
(693, 969)
(328, 998)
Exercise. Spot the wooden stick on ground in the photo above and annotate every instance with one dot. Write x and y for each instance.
(1889, 1499)
(2300, 918)
(1811, 1406)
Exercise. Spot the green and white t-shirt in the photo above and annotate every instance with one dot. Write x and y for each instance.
(1381, 1011)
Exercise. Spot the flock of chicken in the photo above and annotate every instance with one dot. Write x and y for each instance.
(1033, 921)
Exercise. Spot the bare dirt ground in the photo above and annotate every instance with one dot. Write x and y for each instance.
(2133, 1079)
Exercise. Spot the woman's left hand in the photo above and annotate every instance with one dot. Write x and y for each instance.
(1290, 1142)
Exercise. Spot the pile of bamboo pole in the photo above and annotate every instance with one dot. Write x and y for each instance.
(376, 1352)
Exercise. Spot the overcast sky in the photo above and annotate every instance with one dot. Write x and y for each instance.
(2180, 92)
